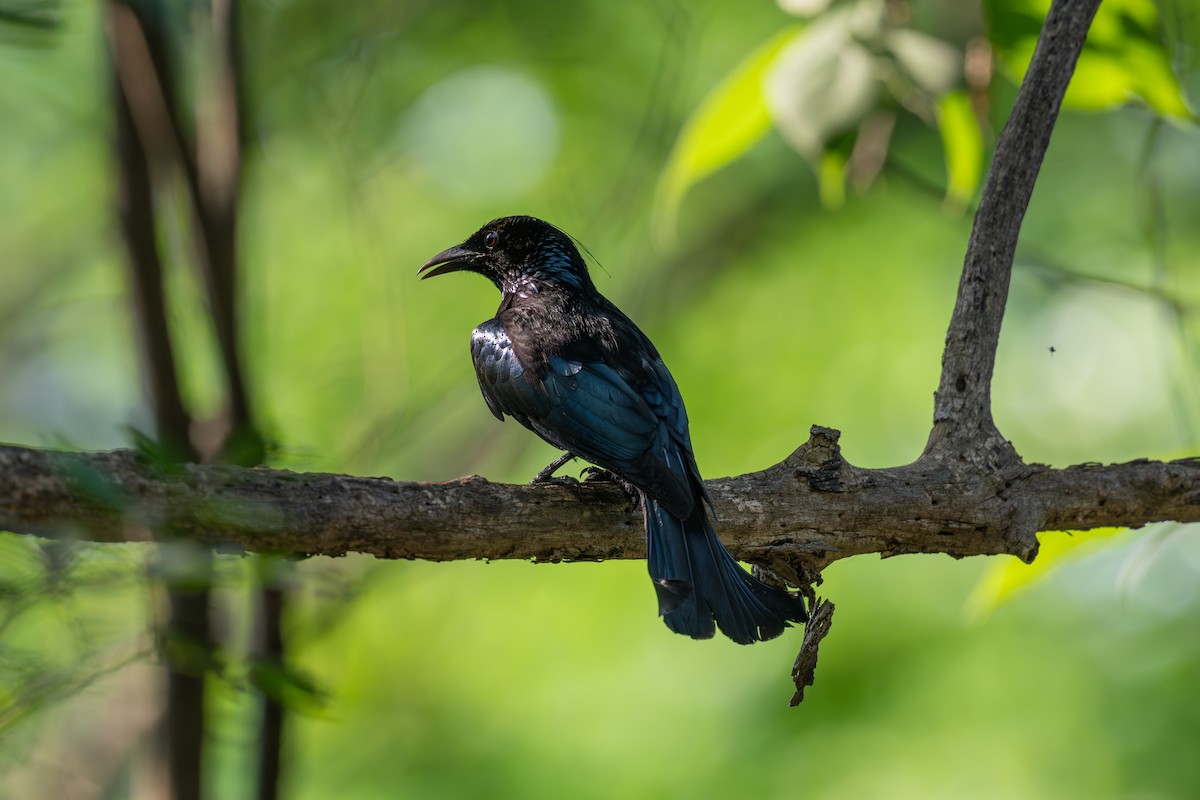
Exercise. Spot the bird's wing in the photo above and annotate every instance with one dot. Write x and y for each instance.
(629, 427)
(500, 374)
(631, 424)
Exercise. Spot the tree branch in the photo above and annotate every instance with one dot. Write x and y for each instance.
(136, 136)
(962, 415)
(800, 515)
(144, 122)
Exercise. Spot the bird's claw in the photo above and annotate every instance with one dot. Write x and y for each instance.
(598, 475)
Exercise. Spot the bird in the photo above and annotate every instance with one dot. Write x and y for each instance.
(566, 363)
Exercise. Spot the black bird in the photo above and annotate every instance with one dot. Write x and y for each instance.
(567, 364)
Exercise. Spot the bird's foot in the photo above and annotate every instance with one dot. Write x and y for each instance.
(546, 474)
(556, 480)
(597, 475)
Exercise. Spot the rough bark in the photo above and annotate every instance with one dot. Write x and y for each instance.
(962, 415)
(810, 510)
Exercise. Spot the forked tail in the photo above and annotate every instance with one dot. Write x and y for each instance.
(697, 582)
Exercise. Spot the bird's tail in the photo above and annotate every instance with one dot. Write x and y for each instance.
(697, 582)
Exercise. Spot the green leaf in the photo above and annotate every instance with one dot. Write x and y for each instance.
(94, 486)
(963, 144)
(40, 15)
(290, 687)
(1180, 24)
(731, 118)
(1007, 576)
(1125, 59)
(831, 179)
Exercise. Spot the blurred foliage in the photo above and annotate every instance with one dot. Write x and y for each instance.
(27, 18)
(1009, 575)
(826, 85)
(1127, 56)
(384, 131)
(963, 142)
(1181, 29)
(731, 119)
(833, 88)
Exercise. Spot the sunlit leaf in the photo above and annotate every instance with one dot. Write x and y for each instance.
(1139, 71)
(963, 144)
(831, 179)
(1125, 59)
(728, 121)
(1007, 576)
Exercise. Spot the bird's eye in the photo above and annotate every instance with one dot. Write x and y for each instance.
(489, 241)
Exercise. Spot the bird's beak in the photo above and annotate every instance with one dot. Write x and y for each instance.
(452, 260)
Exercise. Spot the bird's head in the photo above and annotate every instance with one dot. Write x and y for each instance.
(516, 254)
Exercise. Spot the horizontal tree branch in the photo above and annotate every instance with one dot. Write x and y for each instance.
(795, 518)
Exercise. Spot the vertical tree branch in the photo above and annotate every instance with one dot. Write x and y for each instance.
(188, 643)
(216, 181)
(141, 125)
(211, 164)
(139, 232)
(270, 742)
(220, 131)
(962, 414)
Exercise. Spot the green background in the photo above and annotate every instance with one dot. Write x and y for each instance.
(384, 132)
